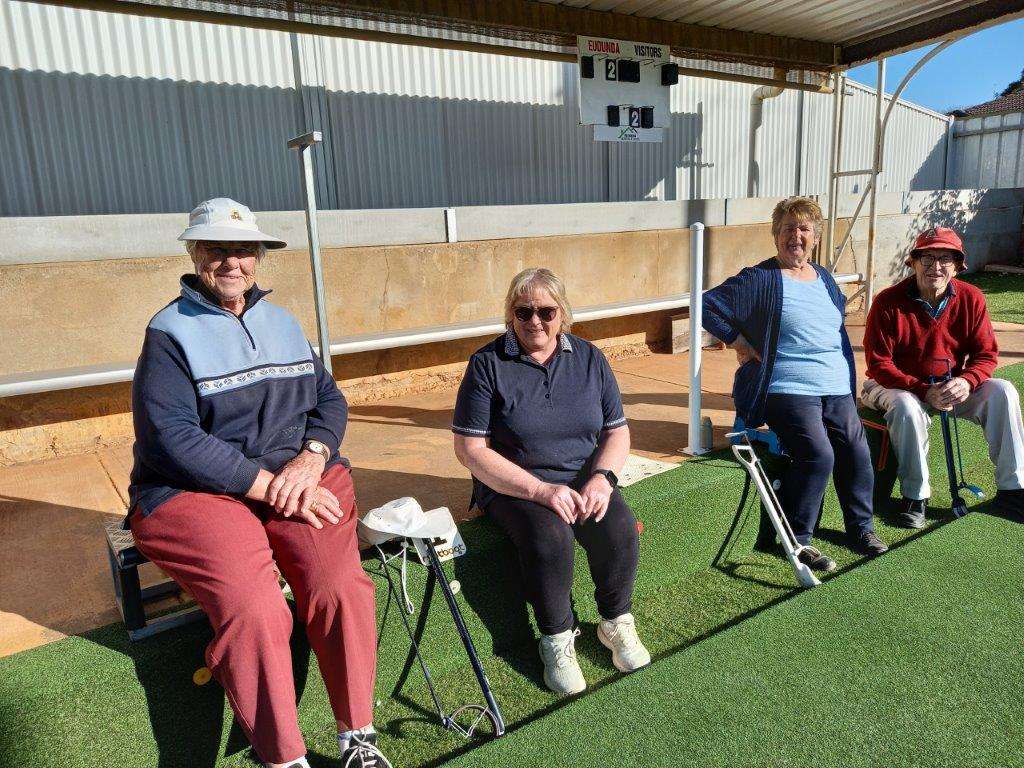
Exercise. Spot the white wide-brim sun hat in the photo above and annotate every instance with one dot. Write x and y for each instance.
(404, 517)
(224, 219)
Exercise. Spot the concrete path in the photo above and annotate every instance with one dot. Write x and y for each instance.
(54, 577)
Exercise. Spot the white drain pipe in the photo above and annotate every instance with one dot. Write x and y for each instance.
(757, 100)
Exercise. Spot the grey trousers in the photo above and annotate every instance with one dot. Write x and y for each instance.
(995, 406)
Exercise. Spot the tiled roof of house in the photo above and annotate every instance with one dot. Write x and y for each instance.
(1013, 102)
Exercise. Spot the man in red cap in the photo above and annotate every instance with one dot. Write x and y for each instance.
(924, 326)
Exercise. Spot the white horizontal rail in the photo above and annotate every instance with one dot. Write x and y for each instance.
(65, 378)
(369, 342)
(98, 375)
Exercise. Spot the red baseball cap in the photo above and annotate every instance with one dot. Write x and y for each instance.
(940, 237)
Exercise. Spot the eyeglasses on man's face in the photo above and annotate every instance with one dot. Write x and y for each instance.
(944, 260)
(525, 314)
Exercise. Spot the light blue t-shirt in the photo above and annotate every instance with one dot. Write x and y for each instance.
(809, 359)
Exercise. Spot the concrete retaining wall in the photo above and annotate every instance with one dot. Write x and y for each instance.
(78, 291)
(989, 221)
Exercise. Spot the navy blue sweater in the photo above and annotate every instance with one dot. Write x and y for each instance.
(216, 397)
(750, 303)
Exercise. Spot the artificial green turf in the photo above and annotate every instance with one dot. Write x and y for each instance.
(911, 660)
(1003, 294)
(99, 700)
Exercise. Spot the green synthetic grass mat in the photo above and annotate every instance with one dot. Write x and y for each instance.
(96, 699)
(911, 660)
(1004, 295)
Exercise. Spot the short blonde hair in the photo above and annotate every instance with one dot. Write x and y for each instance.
(801, 208)
(530, 279)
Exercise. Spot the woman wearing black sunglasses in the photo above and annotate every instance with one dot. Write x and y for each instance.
(539, 423)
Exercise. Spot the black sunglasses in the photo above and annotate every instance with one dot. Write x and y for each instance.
(525, 314)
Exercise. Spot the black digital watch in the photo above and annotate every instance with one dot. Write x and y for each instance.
(610, 476)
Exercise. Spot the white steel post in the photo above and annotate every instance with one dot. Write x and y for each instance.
(947, 168)
(876, 169)
(694, 448)
(305, 144)
(833, 167)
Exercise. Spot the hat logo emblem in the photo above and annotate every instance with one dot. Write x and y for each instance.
(932, 233)
(236, 215)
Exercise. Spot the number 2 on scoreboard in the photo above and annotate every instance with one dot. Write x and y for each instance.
(611, 69)
(634, 117)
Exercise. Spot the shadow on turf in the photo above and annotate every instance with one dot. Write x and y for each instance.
(589, 646)
(491, 584)
(188, 719)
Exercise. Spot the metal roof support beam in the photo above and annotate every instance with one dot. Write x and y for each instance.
(822, 87)
(835, 157)
(880, 129)
(958, 23)
(397, 38)
(565, 22)
(302, 27)
(522, 20)
(869, 270)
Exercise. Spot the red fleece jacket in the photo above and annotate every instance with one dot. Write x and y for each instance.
(904, 345)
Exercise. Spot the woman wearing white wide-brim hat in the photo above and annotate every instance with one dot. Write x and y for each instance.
(237, 470)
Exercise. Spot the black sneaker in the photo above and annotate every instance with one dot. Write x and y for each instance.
(868, 543)
(1011, 502)
(361, 752)
(912, 515)
(814, 559)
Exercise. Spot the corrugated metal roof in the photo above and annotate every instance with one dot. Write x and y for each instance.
(831, 21)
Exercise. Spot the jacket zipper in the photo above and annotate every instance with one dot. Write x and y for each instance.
(246, 329)
(252, 341)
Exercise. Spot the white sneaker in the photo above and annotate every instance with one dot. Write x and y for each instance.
(619, 636)
(562, 673)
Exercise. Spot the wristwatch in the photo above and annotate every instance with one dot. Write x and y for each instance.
(315, 446)
(610, 476)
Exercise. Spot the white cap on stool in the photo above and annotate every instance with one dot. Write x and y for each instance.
(405, 517)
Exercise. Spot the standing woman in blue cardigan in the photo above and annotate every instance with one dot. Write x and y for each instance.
(784, 318)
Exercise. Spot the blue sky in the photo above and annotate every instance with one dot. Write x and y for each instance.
(972, 70)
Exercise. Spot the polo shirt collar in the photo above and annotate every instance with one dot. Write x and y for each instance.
(512, 343)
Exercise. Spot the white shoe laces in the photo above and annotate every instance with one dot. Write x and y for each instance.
(364, 753)
(564, 653)
(623, 631)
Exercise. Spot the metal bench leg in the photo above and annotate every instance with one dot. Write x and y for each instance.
(131, 598)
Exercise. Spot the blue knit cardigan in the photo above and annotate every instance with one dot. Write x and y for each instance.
(750, 303)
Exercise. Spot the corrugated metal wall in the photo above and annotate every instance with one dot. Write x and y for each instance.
(989, 151)
(108, 113)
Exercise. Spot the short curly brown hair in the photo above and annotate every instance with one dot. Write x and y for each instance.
(802, 208)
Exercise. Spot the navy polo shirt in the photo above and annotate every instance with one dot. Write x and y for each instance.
(547, 419)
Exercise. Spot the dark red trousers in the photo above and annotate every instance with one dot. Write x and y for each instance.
(223, 550)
